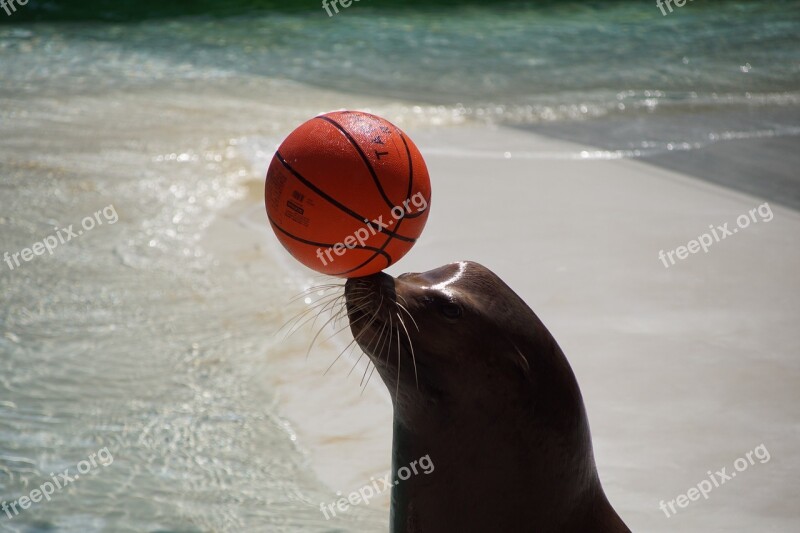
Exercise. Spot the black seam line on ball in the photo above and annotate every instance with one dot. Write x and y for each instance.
(410, 168)
(337, 204)
(368, 261)
(410, 180)
(377, 252)
(363, 158)
(399, 222)
(326, 245)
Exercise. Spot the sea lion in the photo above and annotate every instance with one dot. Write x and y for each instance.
(480, 386)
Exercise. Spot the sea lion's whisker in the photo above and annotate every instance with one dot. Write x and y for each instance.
(336, 317)
(401, 306)
(319, 299)
(389, 345)
(360, 383)
(304, 318)
(316, 288)
(375, 338)
(338, 313)
(357, 307)
(337, 358)
(356, 310)
(322, 309)
(341, 312)
(372, 319)
(297, 318)
(402, 298)
(379, 350)
(321, 329)
(369, 348)
(356, 300)
(340, 355)
(360, 287)
(353, 301)
(321, 292)
(397, 387)
(325, 280)
(368, 378)
(313, 289)
(327, 307)
(356, 363)
(379, 354)
(357, 294)
(411, 347)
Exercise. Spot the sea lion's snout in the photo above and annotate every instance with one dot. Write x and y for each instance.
(365, 298)
(381, 280)
(383, 325)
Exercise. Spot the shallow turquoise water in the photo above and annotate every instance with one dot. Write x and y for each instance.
(516, 66)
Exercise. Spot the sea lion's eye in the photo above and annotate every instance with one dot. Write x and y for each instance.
(451, 310)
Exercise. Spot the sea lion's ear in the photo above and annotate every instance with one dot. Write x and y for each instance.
(521, 361)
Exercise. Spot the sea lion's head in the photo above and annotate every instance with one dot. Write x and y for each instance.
(480, 386)
(457, 335)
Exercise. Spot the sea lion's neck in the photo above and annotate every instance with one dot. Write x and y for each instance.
(497, 475)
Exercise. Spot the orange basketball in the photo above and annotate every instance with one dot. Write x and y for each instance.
(347, 193)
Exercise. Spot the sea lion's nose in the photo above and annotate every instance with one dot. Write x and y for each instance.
(374, 282)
